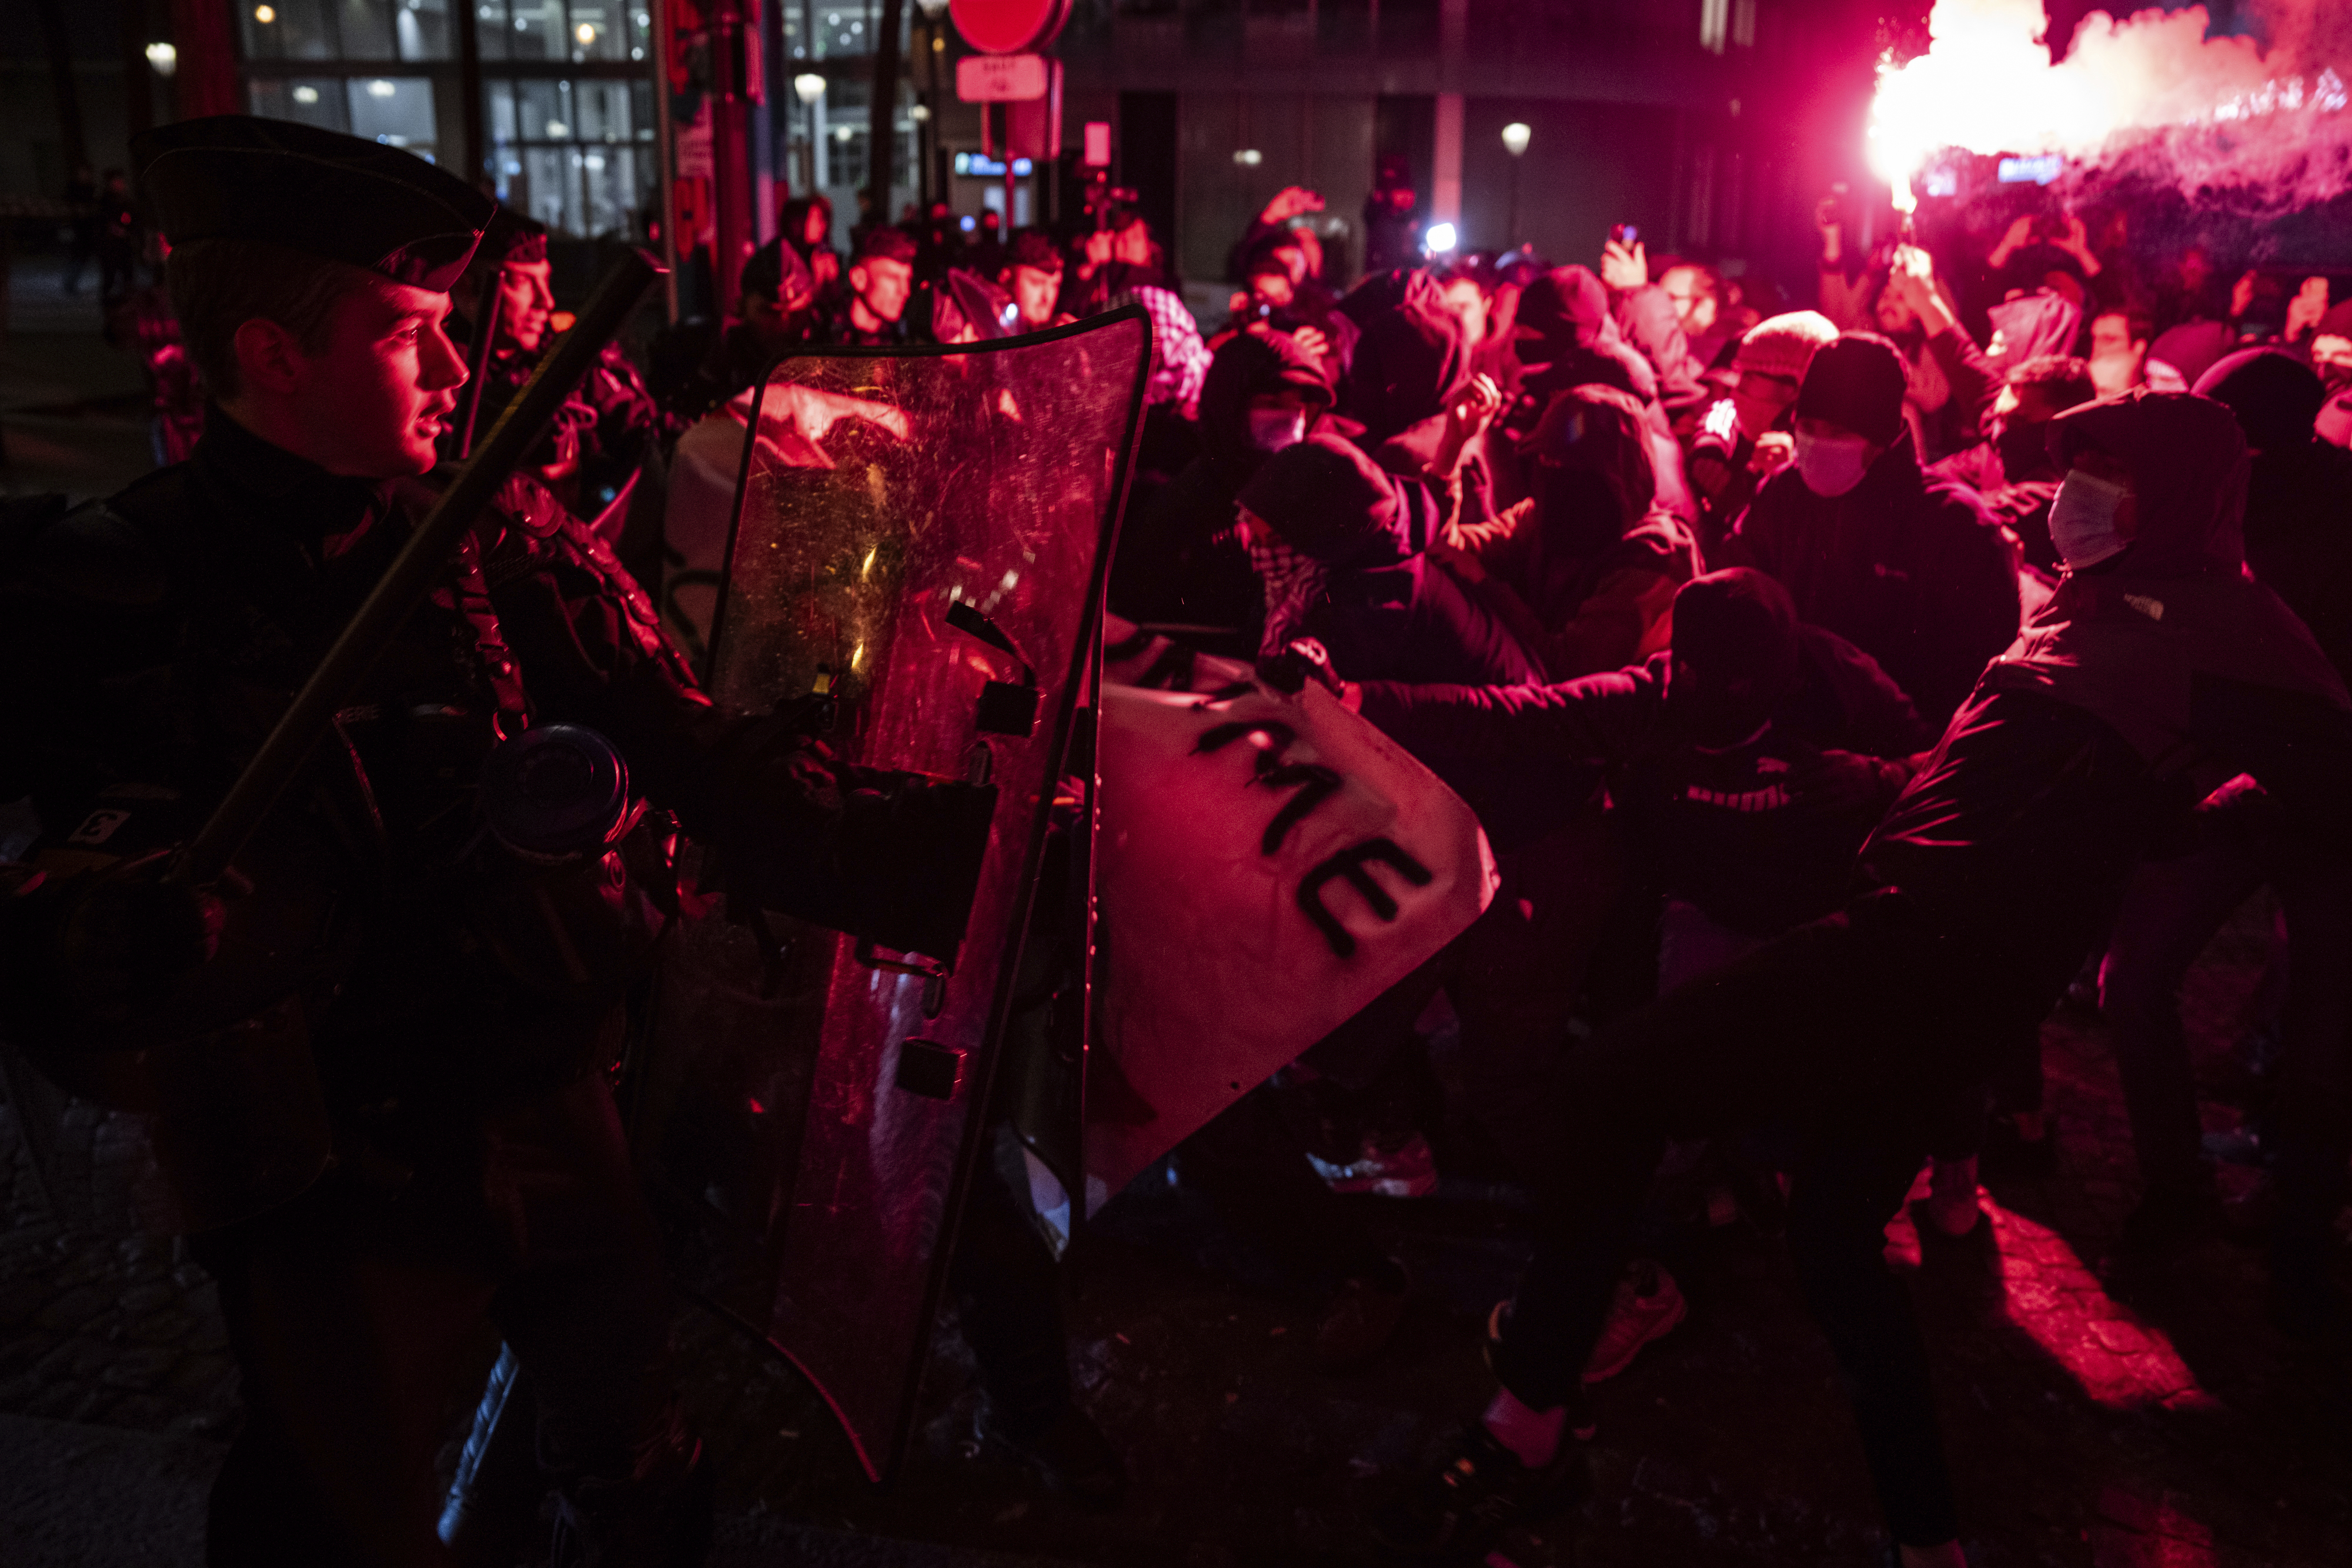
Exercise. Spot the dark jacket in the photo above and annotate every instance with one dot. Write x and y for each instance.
(1910, 569)
(1180, 561)
(153, 642)
(1585, 569)
(1734, 832)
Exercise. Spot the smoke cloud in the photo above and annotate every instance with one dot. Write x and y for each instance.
(2259, 123)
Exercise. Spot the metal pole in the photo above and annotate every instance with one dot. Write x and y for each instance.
(413, 573)
(665, 156)
(882, 118)
(731, 177)
(469, 89)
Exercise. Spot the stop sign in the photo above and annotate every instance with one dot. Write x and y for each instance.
(1009, 27)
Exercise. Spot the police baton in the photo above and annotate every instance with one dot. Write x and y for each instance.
(413, 570)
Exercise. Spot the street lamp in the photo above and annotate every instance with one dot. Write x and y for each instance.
(1515, 137)
(809, 87)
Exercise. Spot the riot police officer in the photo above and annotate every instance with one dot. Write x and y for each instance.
(382, 1039)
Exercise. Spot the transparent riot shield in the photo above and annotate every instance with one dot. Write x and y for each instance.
(921, 537)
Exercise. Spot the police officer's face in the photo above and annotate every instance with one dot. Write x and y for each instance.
(883, 285)
(525, 302)
(1034, 291)
(375, 401)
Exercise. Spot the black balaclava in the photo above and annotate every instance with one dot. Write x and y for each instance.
(1735, 655)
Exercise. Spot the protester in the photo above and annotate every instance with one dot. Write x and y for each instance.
(2011, 468)
(1181, 560)
(1912, 570)
(2297, 544)
(1983, 889)
(1584, 571)
(805, 224)
(1744, 439)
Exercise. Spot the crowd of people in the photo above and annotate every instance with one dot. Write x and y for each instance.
(1840, 688)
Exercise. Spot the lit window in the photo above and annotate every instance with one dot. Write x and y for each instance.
(1743, 22)
(1714, 21)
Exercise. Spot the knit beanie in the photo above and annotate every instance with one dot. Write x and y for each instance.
(1857, 382)
(1323, 496)
(1784, 345)
(2276, 396)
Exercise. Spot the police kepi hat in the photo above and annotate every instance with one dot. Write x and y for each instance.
(237, 176)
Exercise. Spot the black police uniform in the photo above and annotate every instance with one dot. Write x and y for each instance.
(461, 999)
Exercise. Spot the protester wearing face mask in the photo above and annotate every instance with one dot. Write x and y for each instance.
(2298, 533)
(1744, 439)
(1977, 898)
(2119, 360)
(1180, 561)
(2010, 468)
(1912, 570)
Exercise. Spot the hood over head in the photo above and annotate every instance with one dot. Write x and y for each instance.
(2187, 462)
(2276, 396)
(1249, 365)
(1736, 653)
(1410, 357)
(1329, 502)
(1564, 337)
(2126, 639)
(1594, 438)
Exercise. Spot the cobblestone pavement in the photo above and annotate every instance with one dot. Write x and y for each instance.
(2089, 1426)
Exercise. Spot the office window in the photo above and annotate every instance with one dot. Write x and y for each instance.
(572, 33)
(1714, 21)
(578, 155)
(411, 30)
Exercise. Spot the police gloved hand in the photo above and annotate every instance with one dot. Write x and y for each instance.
(128, 938)
(1302, 660)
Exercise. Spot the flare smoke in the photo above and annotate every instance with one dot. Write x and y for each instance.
(2263, 121)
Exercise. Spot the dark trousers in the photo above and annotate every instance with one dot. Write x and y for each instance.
(352, 1312)
(2170, 912)
(1856, 1028)
(1008, 1299)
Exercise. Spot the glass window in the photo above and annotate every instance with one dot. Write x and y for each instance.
(397, 111)
(366, 29)
(599, 32)
(604, 110)
(493, 31)
(422, 29)
(317, 100)
(538, 30)
(286, 29)
(501, 97)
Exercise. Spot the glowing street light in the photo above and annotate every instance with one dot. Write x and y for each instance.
(1515, 137)
(1440, 240)
(163, 57)
(265, 14)
(809, 86)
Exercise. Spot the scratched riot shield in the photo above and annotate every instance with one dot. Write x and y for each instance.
(920, 537)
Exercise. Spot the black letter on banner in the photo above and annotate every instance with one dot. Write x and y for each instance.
(1315, 784)
(1351, 863)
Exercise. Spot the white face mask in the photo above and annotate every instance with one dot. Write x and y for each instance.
(1272, 429)
(2082, 520)
(1831, 464)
